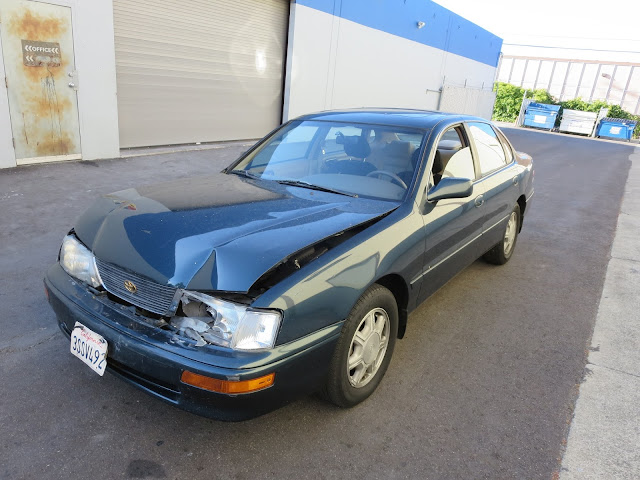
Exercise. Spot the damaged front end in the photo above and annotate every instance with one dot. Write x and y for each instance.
(197, 316)
(194, 318)
(227, 319)
(210, 320)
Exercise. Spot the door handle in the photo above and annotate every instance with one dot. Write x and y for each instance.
(72, 85)
(516, 179)
(479, 201)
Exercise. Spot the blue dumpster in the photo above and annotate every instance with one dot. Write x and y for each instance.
(616, 128)
(541, 115)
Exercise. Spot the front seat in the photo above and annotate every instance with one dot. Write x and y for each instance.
(438, 168)
(398, 156)
(394, 157)
(355, 146)
(407, 175)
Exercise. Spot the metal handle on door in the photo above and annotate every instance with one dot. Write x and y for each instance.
(516, 179)
(479, 201)
(72, 85)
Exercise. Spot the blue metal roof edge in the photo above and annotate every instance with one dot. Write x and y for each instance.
(443, 29)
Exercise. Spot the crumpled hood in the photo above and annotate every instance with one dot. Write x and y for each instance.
(218, 232)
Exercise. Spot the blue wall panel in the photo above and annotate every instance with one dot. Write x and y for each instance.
(444, 29)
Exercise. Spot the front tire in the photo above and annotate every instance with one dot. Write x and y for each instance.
(503, 250)
(364, 349)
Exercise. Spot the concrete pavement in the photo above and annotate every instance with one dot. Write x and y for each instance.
(604, 438)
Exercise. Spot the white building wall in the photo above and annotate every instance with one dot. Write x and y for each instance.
(338, 63)
(92, 23)
(96, 64)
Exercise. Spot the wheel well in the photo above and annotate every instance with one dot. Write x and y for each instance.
(397, 286)
(522, 202)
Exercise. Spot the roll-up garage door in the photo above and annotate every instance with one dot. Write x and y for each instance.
(198, 70)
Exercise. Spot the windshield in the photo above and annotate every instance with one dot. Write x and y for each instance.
(352, 159)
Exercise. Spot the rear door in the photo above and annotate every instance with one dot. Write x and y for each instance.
(499, 178)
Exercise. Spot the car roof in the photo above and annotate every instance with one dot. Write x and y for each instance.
(423, 119)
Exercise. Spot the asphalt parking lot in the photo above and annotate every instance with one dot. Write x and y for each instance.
(482, 386)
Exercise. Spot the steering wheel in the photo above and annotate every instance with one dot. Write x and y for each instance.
(391, 175)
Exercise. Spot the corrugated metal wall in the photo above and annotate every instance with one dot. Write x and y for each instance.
(197, 71)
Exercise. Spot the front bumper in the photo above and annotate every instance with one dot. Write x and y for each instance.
(153, 359)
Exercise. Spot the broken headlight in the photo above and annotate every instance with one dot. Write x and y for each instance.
(78, 261)
(219, 322)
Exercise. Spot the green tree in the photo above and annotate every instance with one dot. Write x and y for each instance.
(542, 96)
(508, 101)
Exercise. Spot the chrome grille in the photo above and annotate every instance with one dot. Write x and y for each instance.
(149, 295)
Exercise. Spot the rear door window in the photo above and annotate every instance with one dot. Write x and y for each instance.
(491, 154)
(508, 151)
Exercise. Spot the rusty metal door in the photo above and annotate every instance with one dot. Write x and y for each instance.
(41, 81)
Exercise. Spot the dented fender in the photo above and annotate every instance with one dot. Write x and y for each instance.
(324, 291)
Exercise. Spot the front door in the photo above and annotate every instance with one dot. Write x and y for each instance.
(41, 81)
(453, 227)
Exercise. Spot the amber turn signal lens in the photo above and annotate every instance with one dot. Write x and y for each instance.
(227, 386)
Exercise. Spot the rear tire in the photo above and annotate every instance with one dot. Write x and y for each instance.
(503, 250)
(364, 349)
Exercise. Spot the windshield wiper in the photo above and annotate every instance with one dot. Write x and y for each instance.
(243, 173)
(294, 183)
(303, 184)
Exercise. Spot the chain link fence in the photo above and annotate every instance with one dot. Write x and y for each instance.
(467, 100)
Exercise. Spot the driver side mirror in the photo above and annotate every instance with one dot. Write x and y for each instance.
(450, 187)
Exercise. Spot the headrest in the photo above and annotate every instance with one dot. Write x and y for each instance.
(356, 146)
(398, 149)
(384, 136)
(449, 145)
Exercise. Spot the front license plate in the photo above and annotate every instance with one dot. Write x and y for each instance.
(89, 347)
